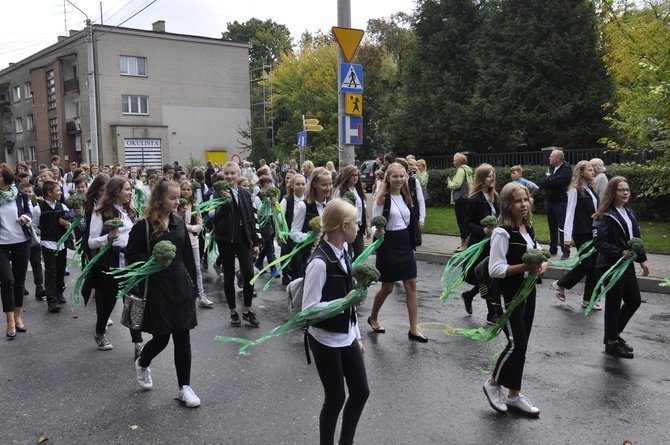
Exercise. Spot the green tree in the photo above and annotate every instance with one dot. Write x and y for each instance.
(269, 40)
(541, 79)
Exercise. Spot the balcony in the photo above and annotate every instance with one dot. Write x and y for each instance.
(71, 85)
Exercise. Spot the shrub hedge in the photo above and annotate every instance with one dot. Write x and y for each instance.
(650, 186)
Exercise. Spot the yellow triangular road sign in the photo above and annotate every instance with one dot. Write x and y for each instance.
(348, 39)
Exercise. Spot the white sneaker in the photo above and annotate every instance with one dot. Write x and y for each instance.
(205, 302)
(102, 342)
(522, 405)
(560, 291)
(496, 397)
(187, 396)
(143, 376)
(596, 307)
(110, 322)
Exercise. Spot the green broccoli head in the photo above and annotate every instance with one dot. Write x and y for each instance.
(535, 256)
(349, 196)
(72, 192)
(490, 222)
(315, 224)
(272, 192)
(636, 245)
(164, 251)
(379, 222)
(76, 202)
(183, 202)
(365, 274)
(221, 187)
(112, 224)
(196, 185)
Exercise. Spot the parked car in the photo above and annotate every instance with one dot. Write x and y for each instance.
(367, 169)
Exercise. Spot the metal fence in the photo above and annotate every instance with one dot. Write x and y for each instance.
(541, 157)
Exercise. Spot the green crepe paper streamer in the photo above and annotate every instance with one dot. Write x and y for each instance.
(206, 206)
(584, 252)
(665, 283)
(303, 319)
(264, 213)
(360, 259)
(211, 248)
(285, 260)
(74, 296)
(131, 275)
(451, 279)
(139, 199)
(67, 233)
(481, 334)
(280, 222)
(77, 253)
(613, 274)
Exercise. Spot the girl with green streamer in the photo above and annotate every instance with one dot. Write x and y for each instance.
(582, 204)
(483, 202)
(509, 243)
(614, 227)
(349, 181)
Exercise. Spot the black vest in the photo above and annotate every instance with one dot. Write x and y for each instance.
(311, 212)
(582, 222)
(517, 247)
(338, 285)
(50, 229)
(290, 204)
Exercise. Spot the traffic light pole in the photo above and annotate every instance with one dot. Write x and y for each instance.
(346, 151)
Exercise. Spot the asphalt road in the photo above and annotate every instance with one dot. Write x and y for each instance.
(55, 382)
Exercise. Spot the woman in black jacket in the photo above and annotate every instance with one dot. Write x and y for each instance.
(171, 295)
(483, 202)
(615, 224)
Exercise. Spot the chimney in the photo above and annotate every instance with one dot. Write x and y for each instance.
(158, 26)
(73, 32)
(61, 38)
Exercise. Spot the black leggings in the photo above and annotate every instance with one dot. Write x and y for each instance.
(182, 353)
(583, 269)
(13, 269)
(334, 366)
(617, 315)
(106, 291)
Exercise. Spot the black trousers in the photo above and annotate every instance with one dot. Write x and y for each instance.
(617, 316)
(556, 221)
(36, 264)
(54, 272)
(358, 246)
(584, 269)
(509, 367)
(459, 208)
(244, 254)
(335, 365)
(182, 353)
(13, 269)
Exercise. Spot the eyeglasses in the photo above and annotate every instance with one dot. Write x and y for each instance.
(355, 176)
(623, 190)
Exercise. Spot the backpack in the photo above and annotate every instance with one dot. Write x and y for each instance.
(294, 296)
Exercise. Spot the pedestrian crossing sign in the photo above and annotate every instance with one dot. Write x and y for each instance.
(351, 78)
(354, 104)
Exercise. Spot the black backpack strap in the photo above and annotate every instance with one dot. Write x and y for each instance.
(306, 342)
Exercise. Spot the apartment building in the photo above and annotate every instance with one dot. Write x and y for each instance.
(159, 97)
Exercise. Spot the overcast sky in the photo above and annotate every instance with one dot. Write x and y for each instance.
(31, 25)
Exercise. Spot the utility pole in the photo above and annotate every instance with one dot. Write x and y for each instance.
(346, 151)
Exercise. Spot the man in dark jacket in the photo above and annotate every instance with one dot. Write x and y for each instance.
(556, 183)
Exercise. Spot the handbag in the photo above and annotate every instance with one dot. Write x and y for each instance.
(463, 192)
(132, 315)
(34, 237)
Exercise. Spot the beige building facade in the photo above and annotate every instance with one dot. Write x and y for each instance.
(159, 98)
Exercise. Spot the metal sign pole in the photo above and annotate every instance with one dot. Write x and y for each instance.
(346, 151)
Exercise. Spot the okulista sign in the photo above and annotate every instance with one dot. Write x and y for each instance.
(135, 143)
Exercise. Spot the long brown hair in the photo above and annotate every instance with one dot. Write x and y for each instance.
(152, 212)
(506, 203)
(483, 172)
(106, 205)
(343, 180)
(609, 195)
(318, 175)
(577, 180)
(386, 186)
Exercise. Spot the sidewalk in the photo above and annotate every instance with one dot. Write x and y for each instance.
(439, 248)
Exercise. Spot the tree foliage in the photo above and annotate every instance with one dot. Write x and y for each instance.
(268, 39)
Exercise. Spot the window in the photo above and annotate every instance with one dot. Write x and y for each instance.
(17, 94)
(30, 122)
(53, 129)
(51, 90)
(32, 153)
(133, 66)
(19, 124)
(135, 104)
(28, 90)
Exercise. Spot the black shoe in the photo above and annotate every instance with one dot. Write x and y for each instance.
(61, 299)
(204, 265)
(419, 338)
(250, 318)
(380, 329)
(25, 292)
(67, 272)
(467, 303)
(491, 319)
(235, 320)
(622, 342)
(53, 307)
(11, 335)
(285, 280)
(618, 350)
(40, 294)
(565, 256)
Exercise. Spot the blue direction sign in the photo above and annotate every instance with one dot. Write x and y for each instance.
(352, 129)
(302, 139)
(351, 78)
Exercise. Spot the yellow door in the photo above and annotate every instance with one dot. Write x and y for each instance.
(216, 156)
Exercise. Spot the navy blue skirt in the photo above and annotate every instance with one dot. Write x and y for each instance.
(395, 257)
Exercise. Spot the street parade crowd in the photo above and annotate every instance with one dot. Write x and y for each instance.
(149, 234)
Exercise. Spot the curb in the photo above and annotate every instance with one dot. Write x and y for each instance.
(647, 284)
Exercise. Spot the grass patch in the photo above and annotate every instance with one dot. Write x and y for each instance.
(442, 220)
